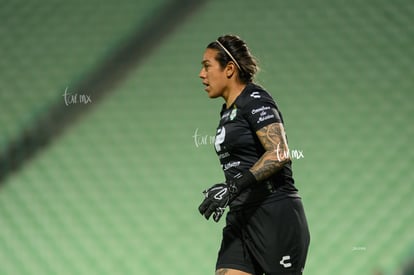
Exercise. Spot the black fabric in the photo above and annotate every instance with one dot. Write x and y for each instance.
(239, 148)
(241, 182)
(269, 239)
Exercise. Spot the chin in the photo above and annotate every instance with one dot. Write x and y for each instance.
(213, 95)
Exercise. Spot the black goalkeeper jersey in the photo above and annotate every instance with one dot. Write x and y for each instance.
(239, 148)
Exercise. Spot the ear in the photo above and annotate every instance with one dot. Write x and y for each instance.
(230, 69)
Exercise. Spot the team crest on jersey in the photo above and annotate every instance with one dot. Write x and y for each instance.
(233, 113)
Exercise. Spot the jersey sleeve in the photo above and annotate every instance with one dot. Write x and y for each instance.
(261, 112)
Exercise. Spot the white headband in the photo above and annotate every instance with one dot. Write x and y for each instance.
(229, 54)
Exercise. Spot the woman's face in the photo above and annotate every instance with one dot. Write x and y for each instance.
(213, 76)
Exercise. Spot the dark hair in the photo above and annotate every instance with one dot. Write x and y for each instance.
(241, 54)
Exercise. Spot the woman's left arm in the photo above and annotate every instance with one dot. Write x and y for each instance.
(273, 139)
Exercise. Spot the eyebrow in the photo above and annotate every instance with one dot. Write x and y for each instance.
(204, 62)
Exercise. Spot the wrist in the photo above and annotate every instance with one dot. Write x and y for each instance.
(241, 182)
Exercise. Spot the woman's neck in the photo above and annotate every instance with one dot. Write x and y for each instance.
(232, 93)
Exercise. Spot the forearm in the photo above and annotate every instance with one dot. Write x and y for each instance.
(273, 139)
(267, 165)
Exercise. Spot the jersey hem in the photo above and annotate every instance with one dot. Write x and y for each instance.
(267, 200)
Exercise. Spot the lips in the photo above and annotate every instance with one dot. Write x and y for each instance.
(206, 85)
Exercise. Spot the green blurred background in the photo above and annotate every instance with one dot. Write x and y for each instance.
(118, 191)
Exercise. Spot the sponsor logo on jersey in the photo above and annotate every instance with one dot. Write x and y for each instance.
(229, 165)
(255, 95)
(224, 155)
(261, 109)
(263, 118)
(265, 113)
(220, 136)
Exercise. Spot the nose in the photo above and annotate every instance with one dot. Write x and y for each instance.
(202, 73)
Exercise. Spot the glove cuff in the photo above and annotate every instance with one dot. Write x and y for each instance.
(241, 182)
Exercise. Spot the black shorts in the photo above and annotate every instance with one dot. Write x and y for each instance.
(272, 238)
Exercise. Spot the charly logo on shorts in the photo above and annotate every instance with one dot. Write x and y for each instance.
(284, 262)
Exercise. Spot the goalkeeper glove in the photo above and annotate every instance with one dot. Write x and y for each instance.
(217, 197)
